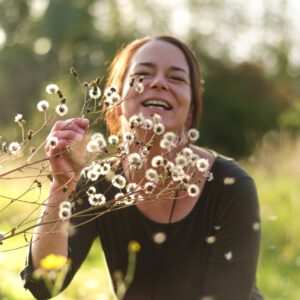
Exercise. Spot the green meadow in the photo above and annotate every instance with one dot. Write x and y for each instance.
(275, 166)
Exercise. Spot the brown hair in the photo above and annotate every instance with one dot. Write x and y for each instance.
(119, 67)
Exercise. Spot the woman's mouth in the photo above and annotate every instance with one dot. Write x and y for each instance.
(157, 103)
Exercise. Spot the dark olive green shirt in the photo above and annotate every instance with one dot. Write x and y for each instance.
(212, 252)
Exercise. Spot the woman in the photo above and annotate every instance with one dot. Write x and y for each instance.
(196, 243)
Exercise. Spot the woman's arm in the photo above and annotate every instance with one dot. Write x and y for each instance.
(230, 273)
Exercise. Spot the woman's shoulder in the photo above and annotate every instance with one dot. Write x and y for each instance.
(224, 169)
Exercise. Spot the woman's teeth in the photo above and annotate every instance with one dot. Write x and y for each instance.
(157, 104)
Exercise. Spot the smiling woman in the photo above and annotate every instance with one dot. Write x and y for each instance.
(193, 214)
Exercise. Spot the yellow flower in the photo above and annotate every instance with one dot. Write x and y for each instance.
(53, 262)
(134, 246)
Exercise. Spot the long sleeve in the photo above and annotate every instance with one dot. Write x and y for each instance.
(234, 245)
(79, 244)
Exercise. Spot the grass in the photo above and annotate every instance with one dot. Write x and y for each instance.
(275, 167)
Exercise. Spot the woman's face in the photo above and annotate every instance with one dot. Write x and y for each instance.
(167, 85)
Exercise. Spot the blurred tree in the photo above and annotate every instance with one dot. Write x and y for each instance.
(242, 101)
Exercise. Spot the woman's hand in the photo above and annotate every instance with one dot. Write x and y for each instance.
(66, 150)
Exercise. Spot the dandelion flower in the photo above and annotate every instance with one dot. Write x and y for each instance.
(134, 246)
(14, 148)
(61, 109)
(53, 262)
(52, 88)
(193, 190)
(42, 105)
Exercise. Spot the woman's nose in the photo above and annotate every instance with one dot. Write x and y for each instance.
(159, 82)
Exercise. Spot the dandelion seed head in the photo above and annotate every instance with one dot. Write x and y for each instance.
(159, 237)
(93, 175)
(53, 141)
(156, 118)
(170, 136)
(152, 175)
(202, 164)
(93, 146)
(135, 160)
(159, 128)
(61, 109)
(128, 137)
(91, 190)
(149, 187)
(18, 118)
(139, 88)
(65, 204)
(64, 213)
(129, 200)
(42, 105)
(147, 124)
(131, 187)
(115, 99)
(113, 140)
(193, 135)
(14, 148)
(256, 226)
(97, 199)
(193, 190)
(229, 180)
(217, 227)
(119, 181)
(210, 239)
(181, 160)
(165, 144)
(52, 88)
(177, 173)
(157, 161)
(187, 152)
(95, 92)
(119, 197)
(228, 255)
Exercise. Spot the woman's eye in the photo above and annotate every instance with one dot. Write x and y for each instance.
(141, 73)
(177, 78)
